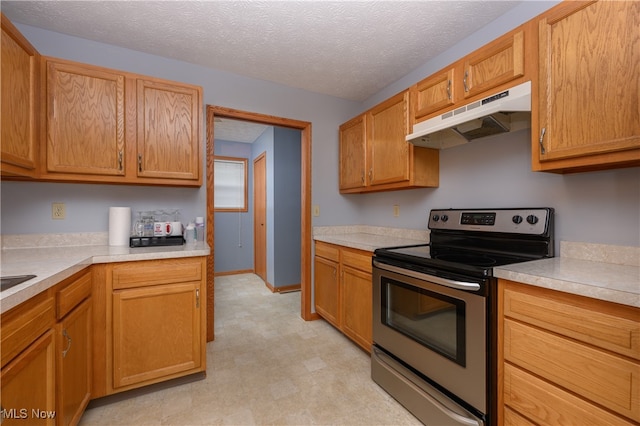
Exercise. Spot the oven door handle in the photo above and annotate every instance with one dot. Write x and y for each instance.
(460, 285)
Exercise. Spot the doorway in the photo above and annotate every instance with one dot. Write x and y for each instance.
(305, 206)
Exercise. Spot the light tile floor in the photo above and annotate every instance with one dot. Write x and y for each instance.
(266, 367)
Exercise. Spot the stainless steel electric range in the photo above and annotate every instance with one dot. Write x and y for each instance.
(434, 310)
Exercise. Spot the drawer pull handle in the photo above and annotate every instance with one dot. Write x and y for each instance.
(197, 298)
(140, 163)
(66, 335)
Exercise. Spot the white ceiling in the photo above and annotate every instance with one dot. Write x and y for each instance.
(347, 49)
(237, 130)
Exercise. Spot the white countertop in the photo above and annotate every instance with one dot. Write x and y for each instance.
(584, 269)
(367, 242)
(598, 280)
(369, 238)
(53, 264)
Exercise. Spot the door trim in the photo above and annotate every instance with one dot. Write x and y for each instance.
(305, 208)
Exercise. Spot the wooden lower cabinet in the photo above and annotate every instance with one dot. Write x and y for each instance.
(28, 385)
(46, 355)
(343, 290)
(357, 299)
(156, 332)
(73, 366)
(153, 323)
(566, 359)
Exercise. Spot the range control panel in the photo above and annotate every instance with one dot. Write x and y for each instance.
(533, 221)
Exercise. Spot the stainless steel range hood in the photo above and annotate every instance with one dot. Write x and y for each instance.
(504, 111)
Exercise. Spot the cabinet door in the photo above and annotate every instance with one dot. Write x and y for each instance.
(435, 92)
(74, 364)
(353, 154)
(85, 120)
(387, 126)
(156, 332)
(168, 130)
(357, 311)
(589, 85)
(19, 84)
(497, 63)
(326, 290)
(28, 385)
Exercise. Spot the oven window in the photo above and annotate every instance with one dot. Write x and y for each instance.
(434, 320)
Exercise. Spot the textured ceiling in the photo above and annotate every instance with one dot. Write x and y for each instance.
(237, 130)
(347, 49)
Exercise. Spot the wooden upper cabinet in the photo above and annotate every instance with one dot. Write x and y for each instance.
(374, 155)
(435, 93)
(507, 61)
(497, 63)
(588, 109)
(169, 117)
(353, 153)
(19, 87)
(387, 126)
(105, 125)
(85, 119)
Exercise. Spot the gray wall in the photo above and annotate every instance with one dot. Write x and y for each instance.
(600, 207)
(287, 204)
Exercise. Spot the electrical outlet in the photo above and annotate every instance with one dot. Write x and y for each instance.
(316, 210)
(57, 211)
(396, 210)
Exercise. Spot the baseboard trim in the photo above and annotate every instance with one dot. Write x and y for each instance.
(283, 289)
(238, 272)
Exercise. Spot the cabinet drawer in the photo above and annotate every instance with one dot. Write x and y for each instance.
(156, 272)
(72, 294)
(24, 324)
(511, 418)
(328, 251)
(607, 379)
(357, 259)
(602, 324)
(547, 404)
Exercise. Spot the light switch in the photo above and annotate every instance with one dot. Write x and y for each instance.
(316, 210)
(396, 210)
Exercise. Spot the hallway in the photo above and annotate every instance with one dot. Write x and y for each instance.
(266, 366)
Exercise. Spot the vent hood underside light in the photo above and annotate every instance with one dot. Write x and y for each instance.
(505, 111)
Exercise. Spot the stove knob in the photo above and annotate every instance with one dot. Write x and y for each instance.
(532, 219)
(517, 219)
(445, 218)
(436, 218)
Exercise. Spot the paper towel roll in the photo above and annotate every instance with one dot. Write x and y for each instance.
(119, 226)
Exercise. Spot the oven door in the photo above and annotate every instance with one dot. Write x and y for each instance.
(436, 326)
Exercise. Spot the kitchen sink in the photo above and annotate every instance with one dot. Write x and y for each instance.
(8, 282)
